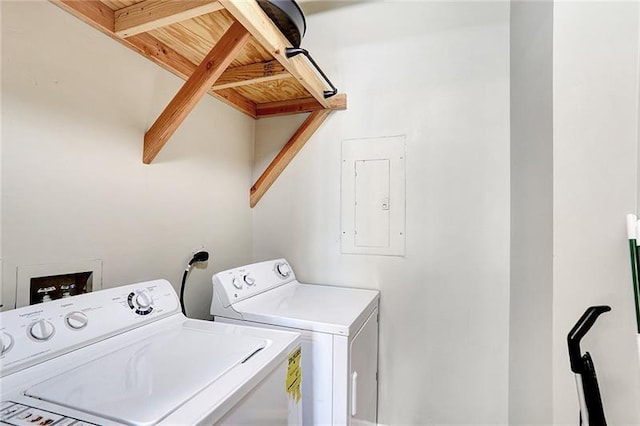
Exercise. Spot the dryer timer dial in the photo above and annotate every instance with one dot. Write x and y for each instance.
(283, 270)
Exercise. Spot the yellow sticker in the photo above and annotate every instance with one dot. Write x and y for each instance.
(294, 375)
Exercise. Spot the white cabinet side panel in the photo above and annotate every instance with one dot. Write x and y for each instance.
(363, 371)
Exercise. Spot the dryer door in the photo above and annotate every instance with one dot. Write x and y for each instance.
(363, 371)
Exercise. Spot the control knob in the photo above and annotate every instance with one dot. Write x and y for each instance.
(6, 343)
(41, 330)
(143, 300)
(236, 283)
(283, 270)
(249, 280)
(76, 320)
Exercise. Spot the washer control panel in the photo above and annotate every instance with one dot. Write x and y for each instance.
(15, 414)
(35, 333)
(234, 285)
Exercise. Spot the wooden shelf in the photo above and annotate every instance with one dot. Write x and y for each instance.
(229, 49)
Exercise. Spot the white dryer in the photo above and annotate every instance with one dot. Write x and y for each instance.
(339, 328)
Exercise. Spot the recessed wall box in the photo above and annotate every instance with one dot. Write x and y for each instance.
(42, 283)
(373, 196)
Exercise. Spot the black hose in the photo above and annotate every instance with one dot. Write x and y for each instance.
(199, 256)
(184, 280)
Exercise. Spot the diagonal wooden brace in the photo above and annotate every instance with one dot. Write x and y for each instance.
(211, 67)
(284, 157)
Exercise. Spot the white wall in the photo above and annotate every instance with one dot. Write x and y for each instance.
(1, 261)
(595, 80)
(531, 279)
(439, 73)
(75, 107)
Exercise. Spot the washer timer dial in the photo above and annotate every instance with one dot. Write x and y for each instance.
(141, 302)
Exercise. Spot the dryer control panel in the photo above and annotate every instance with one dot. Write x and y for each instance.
(35, 333)
(234, 285)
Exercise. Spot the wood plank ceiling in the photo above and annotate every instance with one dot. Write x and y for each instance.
(227, 48)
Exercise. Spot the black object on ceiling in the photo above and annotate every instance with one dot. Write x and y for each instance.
(288, 17)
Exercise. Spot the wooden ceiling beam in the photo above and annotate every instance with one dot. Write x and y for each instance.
(251, 74)
(297, 106)
(200, 82)
(288, 152)
(268, 35)
(148, 15)
(99, 16)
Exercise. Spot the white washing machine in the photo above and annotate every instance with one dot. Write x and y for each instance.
(339, 328)
(127, 355)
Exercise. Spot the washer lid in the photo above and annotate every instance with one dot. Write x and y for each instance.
(142, 383)
(321, 308)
